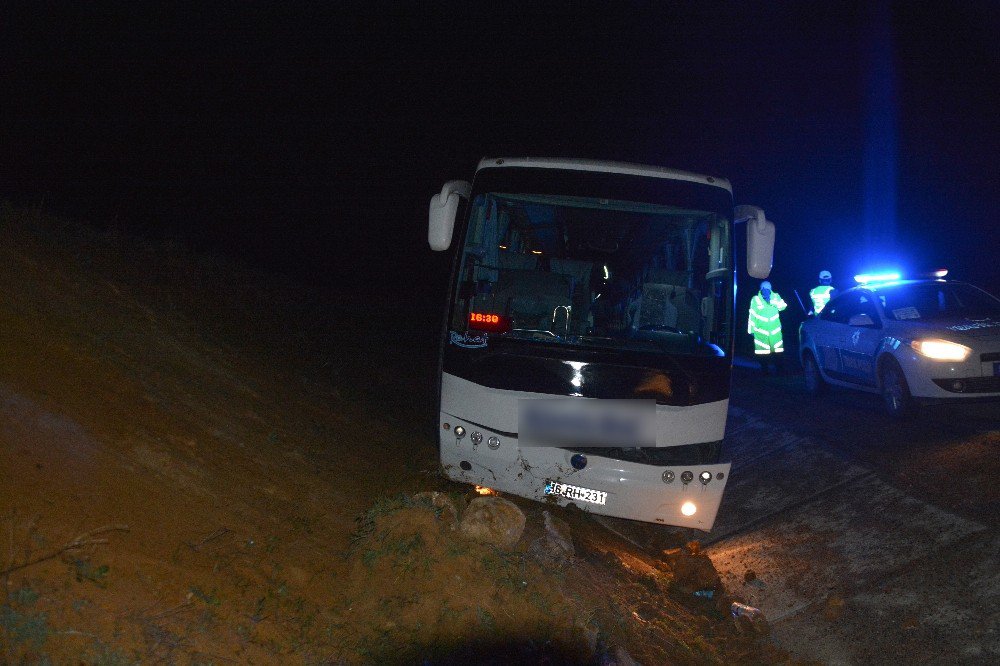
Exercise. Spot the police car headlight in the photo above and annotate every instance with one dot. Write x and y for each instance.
(941, 350)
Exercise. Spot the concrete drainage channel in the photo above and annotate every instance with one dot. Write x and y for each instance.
(849, 569)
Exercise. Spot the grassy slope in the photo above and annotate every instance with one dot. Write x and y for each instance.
(238, 431)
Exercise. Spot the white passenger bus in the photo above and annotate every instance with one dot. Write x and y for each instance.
(588, 342)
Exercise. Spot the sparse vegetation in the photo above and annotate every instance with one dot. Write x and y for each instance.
(22, 629)
(85, 571)
(239, 428)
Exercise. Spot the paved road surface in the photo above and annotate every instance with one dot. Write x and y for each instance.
(856, 558)
(866, 540)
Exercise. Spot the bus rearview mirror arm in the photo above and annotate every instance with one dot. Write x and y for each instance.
(760, 240)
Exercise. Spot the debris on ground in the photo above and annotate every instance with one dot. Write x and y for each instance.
(692, 570)
(833, 607)
(750, 578)
(556, 544)
(447, 511)
(749, 620)
(416, 590)
(493, 520)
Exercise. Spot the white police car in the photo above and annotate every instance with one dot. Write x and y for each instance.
(912, 341)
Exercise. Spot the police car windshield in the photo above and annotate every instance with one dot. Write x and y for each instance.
(937, 300)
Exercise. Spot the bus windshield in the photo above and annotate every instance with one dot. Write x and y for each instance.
(544, 260)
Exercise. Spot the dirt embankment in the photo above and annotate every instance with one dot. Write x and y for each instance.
(192, 469)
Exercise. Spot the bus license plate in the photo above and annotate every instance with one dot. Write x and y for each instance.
(576, 493)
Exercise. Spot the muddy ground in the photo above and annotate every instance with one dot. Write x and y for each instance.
(199, 464)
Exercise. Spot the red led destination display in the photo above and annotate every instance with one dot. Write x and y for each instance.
(492, 323)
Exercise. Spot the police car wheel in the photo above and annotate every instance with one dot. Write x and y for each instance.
(895, 390)
(814, 380)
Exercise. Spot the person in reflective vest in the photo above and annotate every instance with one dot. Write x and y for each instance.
(822, 294)
(764, 324)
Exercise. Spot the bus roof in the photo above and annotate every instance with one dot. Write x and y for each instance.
(605, 166)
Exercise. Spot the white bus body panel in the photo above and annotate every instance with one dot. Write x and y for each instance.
(634, 490)
(603, 166)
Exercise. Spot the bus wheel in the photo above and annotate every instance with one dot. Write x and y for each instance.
(814, 380)
(895, 390)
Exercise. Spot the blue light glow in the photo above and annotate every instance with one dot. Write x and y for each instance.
(881, 129)
(868, 278)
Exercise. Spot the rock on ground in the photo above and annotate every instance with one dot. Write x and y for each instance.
(445, 507)
(694, 572)
(492, 520)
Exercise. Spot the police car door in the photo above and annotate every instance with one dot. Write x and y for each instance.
(829, 334)
(861, 338)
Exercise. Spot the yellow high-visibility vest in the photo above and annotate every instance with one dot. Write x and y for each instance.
(764, 323)
(820, 297)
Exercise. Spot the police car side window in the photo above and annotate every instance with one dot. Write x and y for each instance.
(832, 310)
(868, 307)
(852, 304)
(855, 305)
(840, 310)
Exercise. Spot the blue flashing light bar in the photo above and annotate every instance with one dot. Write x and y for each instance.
(868, 278)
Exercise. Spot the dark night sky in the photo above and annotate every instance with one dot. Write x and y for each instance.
(309, 140)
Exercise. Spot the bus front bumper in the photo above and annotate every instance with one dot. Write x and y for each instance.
(679, 495)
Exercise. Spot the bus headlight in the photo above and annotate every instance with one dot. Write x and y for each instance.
(941, 350)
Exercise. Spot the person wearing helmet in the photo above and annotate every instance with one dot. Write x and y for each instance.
(764, 324)
(822, 294)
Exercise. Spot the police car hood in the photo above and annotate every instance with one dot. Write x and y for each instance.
(978, 329)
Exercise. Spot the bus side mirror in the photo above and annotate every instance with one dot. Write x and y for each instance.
(443, 209)
(760, 240)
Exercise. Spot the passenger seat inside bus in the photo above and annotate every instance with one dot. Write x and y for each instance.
(515, 261)
(688, 306)
(532, 296)
(671, 306)
(579, 273)
(490, 300)
(656, 308)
